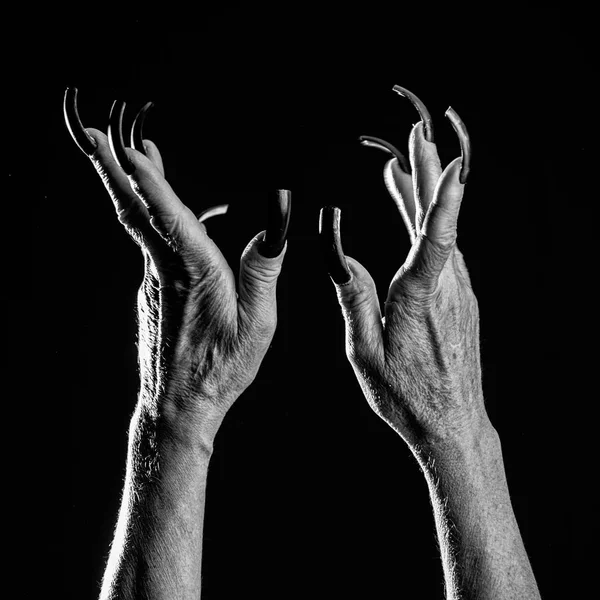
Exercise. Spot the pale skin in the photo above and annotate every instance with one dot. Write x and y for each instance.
(419, 368)
(202, 337)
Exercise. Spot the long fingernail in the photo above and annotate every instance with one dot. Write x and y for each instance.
(213, 211)
(465, 143)
(422, 110)
(137, 135)
(331, 245)
(86, 143)
(278, 219)
(115, 137)
(373, 142)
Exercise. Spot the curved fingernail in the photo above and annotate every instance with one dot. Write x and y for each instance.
(278, 220)
(422, 110)
(331, 245)
(373, 142)
(213, 211)
(465, 143)
(86, 143)
(137, 135)
(115, 137)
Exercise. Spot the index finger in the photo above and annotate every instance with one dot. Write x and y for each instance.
(168, 215)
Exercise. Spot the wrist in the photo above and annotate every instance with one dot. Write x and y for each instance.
(481, 546)
(475, 455)
(465, 435)
(175, 425)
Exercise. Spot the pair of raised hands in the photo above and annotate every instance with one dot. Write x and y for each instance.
(203, 335)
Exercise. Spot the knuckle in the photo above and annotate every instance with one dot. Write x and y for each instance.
(354, 297)
(356, 354)
(441, 244)
(262, 327)
(169, 229)
(260, 273)
(415, 282)
(413, 292)
(361, 344)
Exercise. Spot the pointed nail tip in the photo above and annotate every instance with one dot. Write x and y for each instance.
(115, 137)
(421, 109)
(145, 109)
(451, 114)
(137, 129)
(84, 141)
(465, 142)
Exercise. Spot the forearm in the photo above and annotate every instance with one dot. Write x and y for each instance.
(482, 550)
(157, 549)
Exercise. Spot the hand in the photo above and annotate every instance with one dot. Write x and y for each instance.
(419, 366)
(201, 337)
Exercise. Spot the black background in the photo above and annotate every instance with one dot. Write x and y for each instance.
(310, 494)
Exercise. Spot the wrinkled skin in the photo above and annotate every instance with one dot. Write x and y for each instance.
(201, 337)
(419, 365)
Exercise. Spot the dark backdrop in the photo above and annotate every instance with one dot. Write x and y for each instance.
(310, 494)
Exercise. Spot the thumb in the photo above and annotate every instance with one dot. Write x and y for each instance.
(400, 187)
(257, 288)
(356, 293)
(360, 308)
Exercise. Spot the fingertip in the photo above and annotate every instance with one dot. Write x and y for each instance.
(423, 154)
(143, 165)
(150, 147)
(355, 267)
(252, 251)
(417, 134)
(401, 179)
(153, 153)
(102, 158)
(418, 143)
(360, 278)
(453, 169)
(98, 136)
(449, 180)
